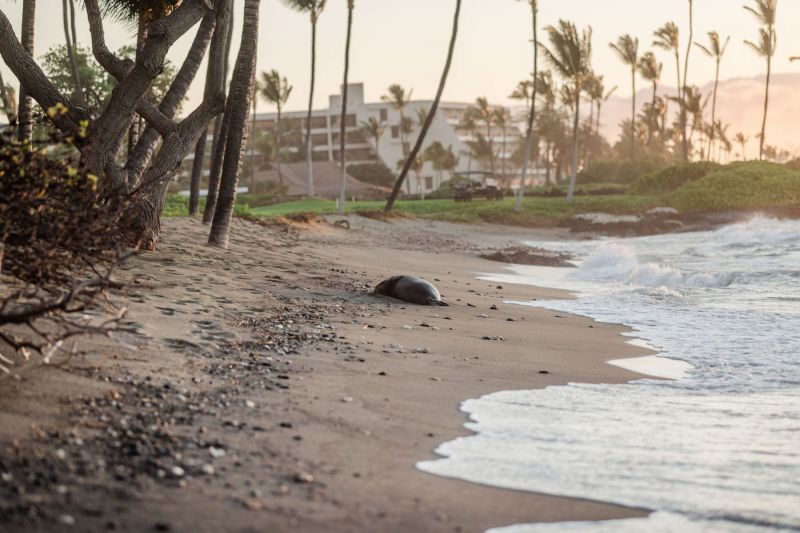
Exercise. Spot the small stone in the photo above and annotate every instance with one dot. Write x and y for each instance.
(483, 316)
(303, 477)
(347, 399)
(216, 453)
(408, 327)
(438, 379)
(493, 308)
(67, 520)
(177, 471)
(250, 404)
(500, 287)
(208, 469)
(544, 371)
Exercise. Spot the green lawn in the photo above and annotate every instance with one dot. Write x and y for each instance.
(535, 211)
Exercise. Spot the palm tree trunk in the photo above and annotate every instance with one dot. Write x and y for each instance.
(238, 106)
(575, 129)
(680, 89)
(278, 145)
(766, 108)
(73, 61)
(343, 125)
(309, 140)
(653, 118)
(431, 114)
(713, 111)
(25, 107)
(197, 170)
(633, 113)
(253, 144)
(220, 130)
(684, 117)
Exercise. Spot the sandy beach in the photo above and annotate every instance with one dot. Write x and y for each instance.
(263, 388)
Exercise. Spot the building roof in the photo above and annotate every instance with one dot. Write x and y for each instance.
(327, 178)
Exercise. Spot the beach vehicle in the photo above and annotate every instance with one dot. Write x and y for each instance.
(469, 185)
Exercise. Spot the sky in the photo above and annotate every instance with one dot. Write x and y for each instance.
(405, 42)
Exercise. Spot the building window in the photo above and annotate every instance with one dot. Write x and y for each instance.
(395, 132)
(428, 183)
(384, 115)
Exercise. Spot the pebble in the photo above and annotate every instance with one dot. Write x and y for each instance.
(250, 403)
(303, 477)
(216, 453)
(177, 471)
(67, 520)
(347, 399)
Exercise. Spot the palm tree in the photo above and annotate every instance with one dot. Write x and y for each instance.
(276, 90)
(314, 9)
(502, 119)
(343, 125)
(469, 126)
(431, 114)
(606, 96)
(667, 37)
(373, 129)
(627, 49)
(25, 107)
(742, 139)
(695, 107)
(398, 99)
(484, 111)
(570, 54)
(523, 92)
(237, 109)
(532, 111)
(650, 70)
(715, 50)
(765, 12)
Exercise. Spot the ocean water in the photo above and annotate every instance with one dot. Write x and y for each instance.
(717, 449)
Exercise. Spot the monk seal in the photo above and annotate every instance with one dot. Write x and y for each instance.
(410, 289)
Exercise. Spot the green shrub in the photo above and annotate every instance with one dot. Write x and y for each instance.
(620, 170)
(670, 178)
(372, 173)
(750, 185)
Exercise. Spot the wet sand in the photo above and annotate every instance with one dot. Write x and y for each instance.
(265, 389)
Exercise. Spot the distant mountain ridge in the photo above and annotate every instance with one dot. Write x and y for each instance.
(740, 103)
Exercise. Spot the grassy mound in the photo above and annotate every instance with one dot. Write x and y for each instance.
(620, 170)
(750, 185)
(673, 177)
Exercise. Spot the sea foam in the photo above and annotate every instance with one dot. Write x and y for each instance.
(716, 450)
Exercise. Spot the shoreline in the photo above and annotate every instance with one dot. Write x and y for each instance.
(355, 390)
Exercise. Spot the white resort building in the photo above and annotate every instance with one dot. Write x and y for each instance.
(390, 150)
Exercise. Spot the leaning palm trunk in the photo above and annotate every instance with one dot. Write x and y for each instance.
(532, 114)
(25, 108)
(309, 139)
(431, 114)
(219, 139)
(575, 130)
(237, 109)
(343, 125)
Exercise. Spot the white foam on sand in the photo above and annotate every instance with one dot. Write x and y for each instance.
(652, 365)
